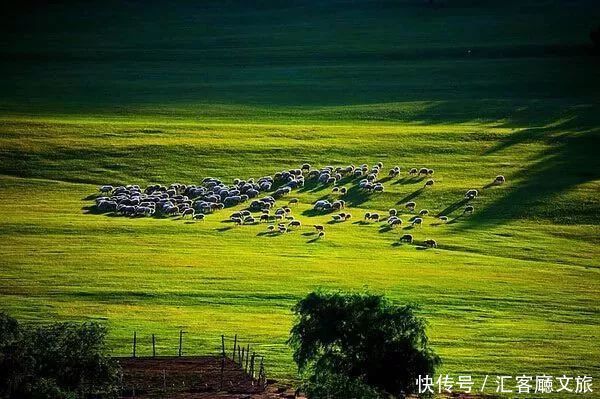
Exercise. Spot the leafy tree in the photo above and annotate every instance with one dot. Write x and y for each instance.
(360, 337)
(62, 360)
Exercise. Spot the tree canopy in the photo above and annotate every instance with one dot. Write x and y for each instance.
(347, 340)
(61, 360)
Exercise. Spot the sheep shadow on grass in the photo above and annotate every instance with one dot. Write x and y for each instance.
(267, 234)
(314, 212)
(451, 208)
(456, 219)
(223, 229)
(361, 223)
(90, 197)
(385, 228)
(354, 197)
(411, 196)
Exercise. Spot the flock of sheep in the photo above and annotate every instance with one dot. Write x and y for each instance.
(260, 197)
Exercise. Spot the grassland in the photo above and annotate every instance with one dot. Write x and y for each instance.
(237, 92)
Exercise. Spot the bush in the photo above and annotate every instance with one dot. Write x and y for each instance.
(362, 338)
(62, 360)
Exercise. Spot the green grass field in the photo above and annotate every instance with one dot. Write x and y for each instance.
(139, 95)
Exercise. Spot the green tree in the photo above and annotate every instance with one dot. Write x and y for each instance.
(62, 360)
(338, 338)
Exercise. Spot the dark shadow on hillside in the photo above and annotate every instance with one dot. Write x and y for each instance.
(570, 160)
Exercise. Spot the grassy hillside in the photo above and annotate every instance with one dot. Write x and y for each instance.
(139, 94)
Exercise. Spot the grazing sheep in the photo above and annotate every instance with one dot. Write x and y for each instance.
(430, 243)
(106, 189)
(430, 172)
(188, 211)
(319, 227)
(418, 221)
(343, 190)
(469, 209)
(393, 212)
(199, 216)
(305, 166)
(322, 205)
(237, 221)
(335, 189)
(282, 229)
(395, 222)
(423, 171)
(236, 215)
(321, 234)
(347, 216)
(295, 223)
(293, 201)
(429, 183)
(407, 238)
(471, 194)
(367, 215)
(337, 218)
(410, 205)
(499, 179)
(423, 212)
(375, 217)
(279, 217)
(412, 171)
(444, 218)
(271, 227)
(264, 217)
(250, 220)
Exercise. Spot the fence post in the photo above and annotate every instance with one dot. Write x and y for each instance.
(134, 342)
(247, 357)
(153, 346)
(234, 346)
(180, 343)
(239, 353)
(261, 372)
(223, 346)
(252, 365)
(242, 358)
(223, 355)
